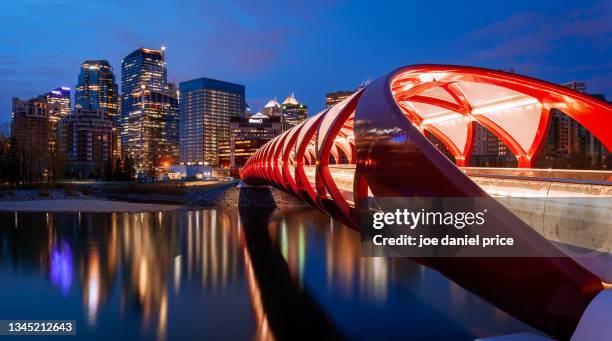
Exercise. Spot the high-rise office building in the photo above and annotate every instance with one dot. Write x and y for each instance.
(272, 109)
(58, 106)
(336, 97)
(61, 97)
(86, 138)
(206, 107)
(149, 111)
(142, 67)
(248, 134)
(97, 90)
(292, 112)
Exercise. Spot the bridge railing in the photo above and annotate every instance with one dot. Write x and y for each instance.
(569, 208)
(553, 175)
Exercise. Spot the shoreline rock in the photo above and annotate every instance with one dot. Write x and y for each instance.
(229, 196)
(249, 196)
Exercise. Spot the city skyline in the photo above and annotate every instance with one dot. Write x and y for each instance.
(281, 170)
(253, 45)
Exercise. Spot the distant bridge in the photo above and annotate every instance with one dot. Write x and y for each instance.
(373, 144)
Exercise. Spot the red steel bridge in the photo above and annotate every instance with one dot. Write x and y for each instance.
(375, 144)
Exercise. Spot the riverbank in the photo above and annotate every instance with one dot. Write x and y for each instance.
(225, 196)
(82, 205)
(42, 194)
(115, 197)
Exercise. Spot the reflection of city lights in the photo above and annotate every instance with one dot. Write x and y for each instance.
(143, 278)
(263, 327)
(301, 254)
(284, 243)
(61, 267)
(162, 323)
(343, 264)
(214, 259)
(93, 286)
(177, 273)
(379, 277)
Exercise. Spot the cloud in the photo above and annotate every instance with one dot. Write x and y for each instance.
(234, 40)
(554, 46)
(535, 34)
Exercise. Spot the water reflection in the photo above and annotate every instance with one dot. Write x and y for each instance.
(224, 274)
(346, 271)
(290, 311)
(61, 267)
(263, 332)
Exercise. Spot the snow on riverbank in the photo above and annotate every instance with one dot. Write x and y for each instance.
(82, 205)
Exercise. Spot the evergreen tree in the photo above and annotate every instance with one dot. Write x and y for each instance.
(130, 170)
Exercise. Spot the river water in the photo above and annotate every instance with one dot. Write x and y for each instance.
(225, 274)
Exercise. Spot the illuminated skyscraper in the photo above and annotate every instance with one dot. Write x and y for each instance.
(248, 134)
(205, 111)
(97, 90)
(149, 111)
(293, 112)
(272, 109)
(60, 96)
(58, 106)
(334, 98)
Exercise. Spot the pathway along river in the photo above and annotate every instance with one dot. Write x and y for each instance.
(225, 274)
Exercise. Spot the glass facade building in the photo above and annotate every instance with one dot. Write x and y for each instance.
(61, 97)
(206, 108)
(149, 111)
(58, 106)
(97, 90)
(293, 112)
(334, 98)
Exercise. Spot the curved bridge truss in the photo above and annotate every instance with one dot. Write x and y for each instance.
(374, 144)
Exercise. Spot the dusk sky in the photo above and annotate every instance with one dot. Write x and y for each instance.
(308, 47)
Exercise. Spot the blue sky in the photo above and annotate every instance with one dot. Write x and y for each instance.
(308, 47)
